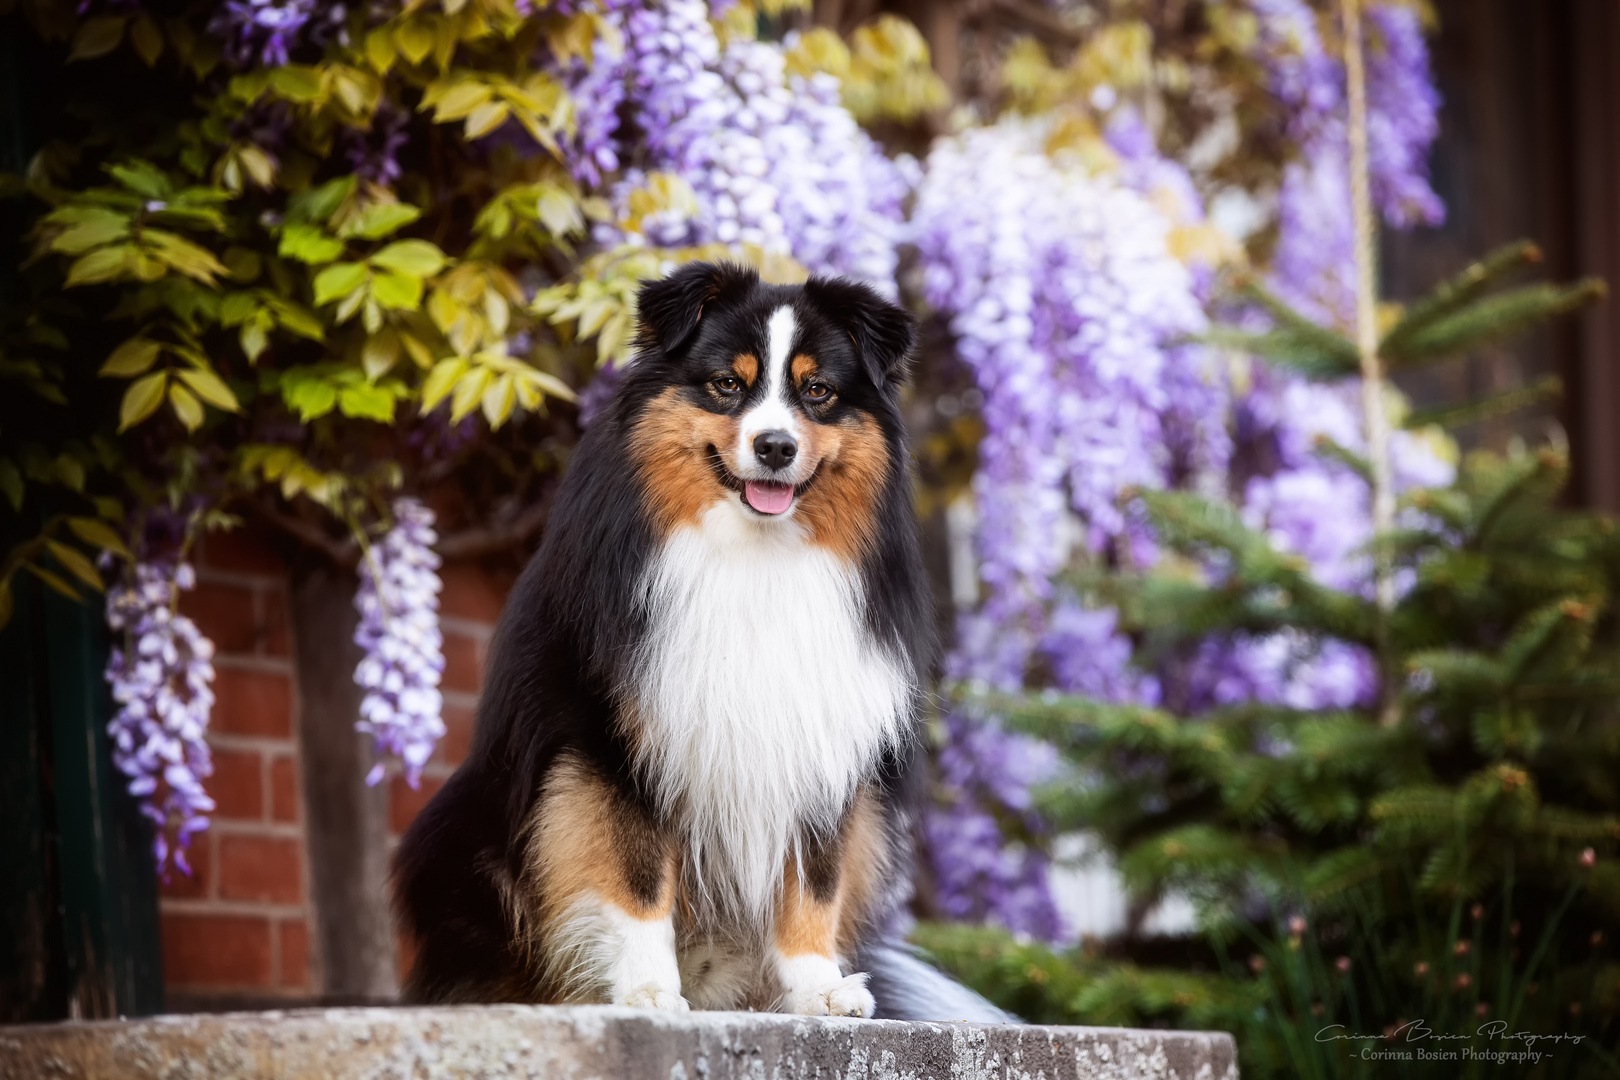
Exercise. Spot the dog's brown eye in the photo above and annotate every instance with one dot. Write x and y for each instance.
(728, 384)
(818, 391)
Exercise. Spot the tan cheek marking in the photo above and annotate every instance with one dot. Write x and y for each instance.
(747, 367)
(802, 368)
(841, 505)
(670, 446)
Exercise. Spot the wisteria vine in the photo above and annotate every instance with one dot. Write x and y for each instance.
(161, 673)
(398, 604)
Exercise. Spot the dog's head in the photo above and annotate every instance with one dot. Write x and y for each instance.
(777, 401)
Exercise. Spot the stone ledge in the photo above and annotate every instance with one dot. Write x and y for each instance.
(595, 1043)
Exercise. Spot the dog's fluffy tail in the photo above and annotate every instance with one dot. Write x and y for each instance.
(907, 987)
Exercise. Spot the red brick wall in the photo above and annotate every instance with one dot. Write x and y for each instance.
(239, 926)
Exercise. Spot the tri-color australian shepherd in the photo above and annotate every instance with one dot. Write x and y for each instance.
(688, 783)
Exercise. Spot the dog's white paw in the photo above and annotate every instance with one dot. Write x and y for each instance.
(846, 997)
(652, 996)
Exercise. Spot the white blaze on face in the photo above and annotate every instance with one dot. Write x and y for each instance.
(772, 412)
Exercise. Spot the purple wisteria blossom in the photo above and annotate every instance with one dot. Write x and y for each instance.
(978, 875)
(398, 602)
(161, 677)
(1313, 266)
(774, 161)
(262, 31)
(373, 152)
(1066, 303)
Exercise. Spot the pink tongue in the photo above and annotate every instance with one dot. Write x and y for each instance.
(768, 498)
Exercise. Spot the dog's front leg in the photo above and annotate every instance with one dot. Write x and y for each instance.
(601, 871)
(821, 903)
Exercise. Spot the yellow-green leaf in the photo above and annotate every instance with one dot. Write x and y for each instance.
(611, 337)
(309, 244)
(498, 399)
(75, 563)
(141, 399)
(415, 40)
(460, 100)
(340, 279)
(469, 391)
(53, 581)
(147, 39)
(367, 402)
(132, 358)
(486, 118)
(211, 388)
(186, 406)
(190, 259)
(11, 483)
(100, 265)
(311, 397)
(379, 353)
(296, 82)
(441, 381)
(259, 165)
(96, 226)
(98, 37)
(397, 291)
(416, 258)
(380, 50)
(551, 384)
(255, 339)
(70, 471)
(379, 219)
(420, 353)
(98, 534)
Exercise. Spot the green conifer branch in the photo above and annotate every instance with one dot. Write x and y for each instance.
(1491, 320)
(1456, 292)
(1547, 388)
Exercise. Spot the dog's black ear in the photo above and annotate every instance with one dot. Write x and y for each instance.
(883, 332)
(671, 309)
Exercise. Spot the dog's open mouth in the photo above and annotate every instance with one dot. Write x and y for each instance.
(762, 496)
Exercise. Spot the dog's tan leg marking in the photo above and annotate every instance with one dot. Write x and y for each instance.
(823, 901)
(600, 881)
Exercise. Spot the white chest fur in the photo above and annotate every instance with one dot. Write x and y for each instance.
(765, 699)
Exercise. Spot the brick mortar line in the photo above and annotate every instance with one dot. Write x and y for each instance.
(264, 744)
(267, 664)
(191, 905)
(461, 699)
(241, 579)
(473, 628)
(290, 830)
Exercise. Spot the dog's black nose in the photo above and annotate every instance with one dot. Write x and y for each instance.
(775, 449)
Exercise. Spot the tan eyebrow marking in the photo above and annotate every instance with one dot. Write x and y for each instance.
(746, 365)
(803, 368)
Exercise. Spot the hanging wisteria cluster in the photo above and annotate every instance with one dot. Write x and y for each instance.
(774, 160)
(398, 602)
(1065, 301)
(1313, 263)
(161, 674)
